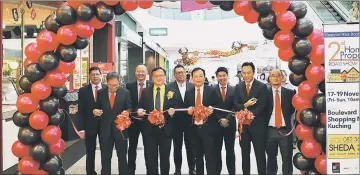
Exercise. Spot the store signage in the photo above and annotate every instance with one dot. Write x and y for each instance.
(105, 67)
(131, 36)
(158, 31)
(15, 14)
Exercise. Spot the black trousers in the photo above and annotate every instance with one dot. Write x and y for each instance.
(90, 145)
(226, 135)
(134, 132)
(276, 140)
(259, 142)
(107, 147)
(181, 135)
(155, 146)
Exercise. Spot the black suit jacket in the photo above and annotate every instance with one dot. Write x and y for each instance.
(287, 108)
(133, 88)
(181, 118)
(86, 106)
(147, 103)
(259, 91)
(227, 104)
(122, 102)
(209, 128)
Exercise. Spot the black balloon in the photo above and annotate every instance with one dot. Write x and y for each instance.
(59, 92)
(311, 172)
(319, 134)
(85, 12)
(29, 136)
(270, 34)
(118, 10)
(268, 21)
(216, 2)
(302, 163)
(66, 53)
(298, 65)
(81, 43)
(103, 12)
(262, 7)
(20, 119)
(25, 84)
(48, 61)
(57, 118)
(298, 8)
(301, 47)
(39, 152)
(309, 117)
(303, 28)
(296, 79)
(50, 105)
(319, 103)
(51, 24)
(53, 164)
(34, 72)
(66, 15)
(298, 144)
(60, 172)
(227, 5)
(322, 86)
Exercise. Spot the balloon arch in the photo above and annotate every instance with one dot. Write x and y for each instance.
(52, 56)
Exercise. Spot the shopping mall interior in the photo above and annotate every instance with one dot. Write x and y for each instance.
(194, 34)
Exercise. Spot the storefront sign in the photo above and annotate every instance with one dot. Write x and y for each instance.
(105, 67)
(341, 43)
(158, 31)
(130, 35)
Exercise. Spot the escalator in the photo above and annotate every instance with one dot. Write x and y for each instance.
(334, 11)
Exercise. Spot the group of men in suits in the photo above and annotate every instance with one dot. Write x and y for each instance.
(203, 139)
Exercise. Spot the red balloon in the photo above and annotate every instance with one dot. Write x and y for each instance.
(298, 117)
(323, 119)
(317, 54)
(20, 150)
(242, 8)
(111, 3)
(286, 54)
(284, 39)
(27, 103)
(41, 90)
(197, 1)
(129, 5)
(286, 20)
(304, 132)
(56, 78)
(51, 134)
(47, 41)
(316, 37)
(320, 164)
(280, 6)
(83, 29)
(308, 89)
(66, 35)
(147, 4)
(27, 165)
(310, 148)
(38, 120)
(251, 17)
(96, 24)
(29, 61)
(32, 52)
(66, 67)
(74, 4)
(315, 73)
(58, 147)
(300, 102)
(40, 172)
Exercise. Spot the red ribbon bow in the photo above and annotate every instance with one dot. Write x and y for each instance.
(245, 117)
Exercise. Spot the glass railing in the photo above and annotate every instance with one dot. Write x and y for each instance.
(323, 12)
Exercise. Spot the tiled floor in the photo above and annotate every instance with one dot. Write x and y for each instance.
(79, 167)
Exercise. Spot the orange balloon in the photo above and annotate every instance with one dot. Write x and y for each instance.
(129, 5)
(201, 1)
(56, 78)
(286, 54)
(83, 29)
(38, 120)
(40, 172)
(252, 17)
(27, 103)
(20, 150)
(280, 6)
(242, 8)
(33, 52)
(66, 35)
(310, 148)
(303, 132)
(47, 41)
(317, 54)
(284, 39)
(74, 4)
(320, 164)
(145, 4)
(96, 24)
(323, 119)
(29, 61)
(111, 3)
(66, 67)
(27, 165)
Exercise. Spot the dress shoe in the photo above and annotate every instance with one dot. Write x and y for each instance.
(192, 172)
(177, 173)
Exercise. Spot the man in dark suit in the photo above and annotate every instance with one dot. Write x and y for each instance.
(158, 138)
(280, 122)
(203, 132)
(182, 121)
(110, 102)
(252, 94)
(226, 121)
(136, 88)
(89, 125)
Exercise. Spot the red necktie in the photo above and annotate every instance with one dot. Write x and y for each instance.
(141, 84)
(198, 98)
(223, 93)
(112, 99)
(248, 88)
(278, 119)
(96, 92)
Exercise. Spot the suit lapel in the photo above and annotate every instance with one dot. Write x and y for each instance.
(228, 91)
(137, 93)
(165, 98)
(244, 92)
(252, 89)
(271, 100)
(217, 90)
(117, 99)
(192, 96)
(282, 99)
(92, 93)
(151, 92)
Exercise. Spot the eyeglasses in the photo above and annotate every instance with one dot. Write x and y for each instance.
(275, 76)
(158, 76)
(179, 73)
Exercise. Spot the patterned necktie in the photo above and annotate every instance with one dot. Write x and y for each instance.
(223, 93)
(278, 120)
(157, 99)
(198, 98)
(96, 92)
(248, 88)
(112, 99)
(141, 84)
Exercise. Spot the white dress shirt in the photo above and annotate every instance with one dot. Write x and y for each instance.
(272, 119)
(220, 87)
(182, 89)
(251, 83)
(93, 89)
(138, 86)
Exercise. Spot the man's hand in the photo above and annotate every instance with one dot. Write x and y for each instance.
(211, 110)
(141, 112)
(190, 110)
(97, 112)
(224, 122)
(82, 134)
(171, 111)
(201, 122)
(250, 102)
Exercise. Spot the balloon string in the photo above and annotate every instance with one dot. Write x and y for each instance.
(287, 133)
(76, 130)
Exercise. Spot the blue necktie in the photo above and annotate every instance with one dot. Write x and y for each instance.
(157, 99)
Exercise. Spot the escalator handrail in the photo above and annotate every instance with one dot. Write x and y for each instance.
(310, 5)
(340, 9)
(322, 2)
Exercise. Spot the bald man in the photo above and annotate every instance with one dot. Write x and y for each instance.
(280, 120)
(136, 87)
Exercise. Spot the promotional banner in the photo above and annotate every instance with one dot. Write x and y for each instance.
(187, 6)
(341, 43)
